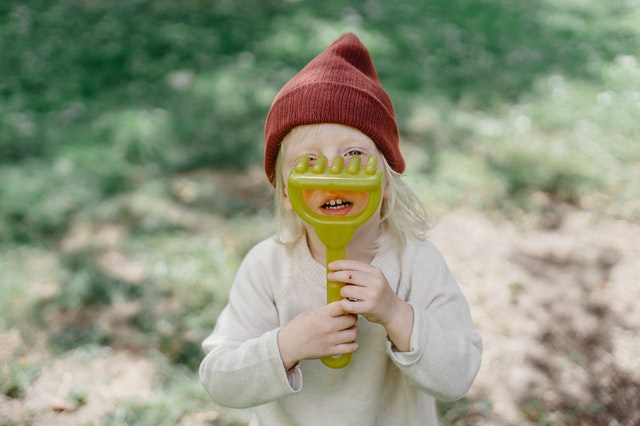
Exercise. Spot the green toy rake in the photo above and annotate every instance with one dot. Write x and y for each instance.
(335, 232)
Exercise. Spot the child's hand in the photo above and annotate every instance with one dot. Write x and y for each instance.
(318, 333)
(366, 290)
(367, 293)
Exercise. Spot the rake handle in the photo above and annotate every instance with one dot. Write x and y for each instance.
(333, 295)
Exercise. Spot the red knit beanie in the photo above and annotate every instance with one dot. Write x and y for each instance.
(338, 86)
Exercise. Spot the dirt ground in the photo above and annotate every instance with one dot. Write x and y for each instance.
(554, 299)
(557, 309)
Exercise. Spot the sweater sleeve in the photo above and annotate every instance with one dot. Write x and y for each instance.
(243, 367)
(445, 352)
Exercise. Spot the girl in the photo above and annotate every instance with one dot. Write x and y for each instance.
(402, 310)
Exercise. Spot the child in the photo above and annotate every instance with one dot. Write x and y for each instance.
(402, 310)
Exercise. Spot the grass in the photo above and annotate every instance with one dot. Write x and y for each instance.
(180, 398)
(552, 142)
(113, 100)
(16, 376)
(113, 117)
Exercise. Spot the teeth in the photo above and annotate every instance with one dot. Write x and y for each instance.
(338, 203)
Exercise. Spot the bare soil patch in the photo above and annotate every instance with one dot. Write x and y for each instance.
(557, 312)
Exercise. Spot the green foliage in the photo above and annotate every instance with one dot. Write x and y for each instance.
(75, 66)
(195, 271)
(454, 412)
(536, 411)
(180, 397)
(16, 376)
(89, 285)
(26, 274)
(102, 96)
(37, 200)
(170, 301)
(87, 289)
(75, 335)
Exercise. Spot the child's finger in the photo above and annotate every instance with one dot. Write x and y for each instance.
(345, 348)
(335, 309)
(349, 265)
(350, 277)
(352, 293)
(355, 306)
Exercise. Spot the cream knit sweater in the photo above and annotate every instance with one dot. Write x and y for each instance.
(380, 386)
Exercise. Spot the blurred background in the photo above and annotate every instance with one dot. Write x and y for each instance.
(131, 186)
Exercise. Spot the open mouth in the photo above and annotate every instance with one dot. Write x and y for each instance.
(336, 204)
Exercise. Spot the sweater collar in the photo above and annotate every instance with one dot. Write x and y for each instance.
(312, 269)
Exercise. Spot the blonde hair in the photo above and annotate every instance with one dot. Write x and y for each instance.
(402, 214)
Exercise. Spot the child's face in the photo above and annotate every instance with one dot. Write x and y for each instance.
(330, 140)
